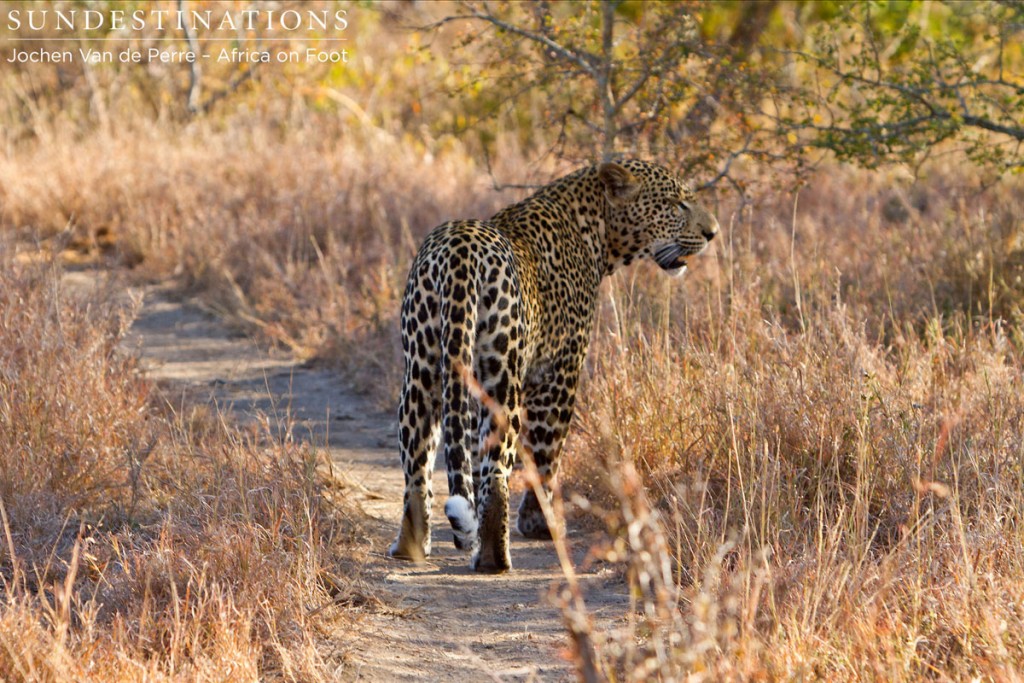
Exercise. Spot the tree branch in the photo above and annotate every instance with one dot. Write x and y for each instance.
(583, 60)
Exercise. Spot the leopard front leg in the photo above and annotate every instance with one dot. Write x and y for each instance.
(549, 401)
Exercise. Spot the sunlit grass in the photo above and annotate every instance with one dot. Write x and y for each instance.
(839, 473)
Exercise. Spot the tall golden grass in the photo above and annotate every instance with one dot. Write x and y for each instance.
(307, 240)
(826, 426)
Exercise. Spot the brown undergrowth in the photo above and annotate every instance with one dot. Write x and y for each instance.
(141, 542)
(307, 240)
(826, 432)
(818, 431)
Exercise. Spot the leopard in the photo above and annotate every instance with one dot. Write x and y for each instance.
(496, 320)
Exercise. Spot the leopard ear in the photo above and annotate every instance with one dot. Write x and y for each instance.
(619, 184)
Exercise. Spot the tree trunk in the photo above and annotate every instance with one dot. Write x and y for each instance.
(605, 84)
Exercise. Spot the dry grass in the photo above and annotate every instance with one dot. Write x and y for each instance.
(306, 240)
(825, 418)
(829, 433)
(819, 434)
(141, 543)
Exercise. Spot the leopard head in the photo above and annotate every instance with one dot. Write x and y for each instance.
(652, 214)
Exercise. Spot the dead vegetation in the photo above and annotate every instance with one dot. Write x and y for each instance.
(144, 543)
(825, 417)
(818, 433)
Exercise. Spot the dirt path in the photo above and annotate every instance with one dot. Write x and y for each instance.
(454, 624)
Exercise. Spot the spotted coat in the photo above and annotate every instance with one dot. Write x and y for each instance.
(496, 321)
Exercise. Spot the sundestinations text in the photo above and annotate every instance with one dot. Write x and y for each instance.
(137, 20)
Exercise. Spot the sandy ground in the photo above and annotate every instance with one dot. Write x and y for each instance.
(449, 623)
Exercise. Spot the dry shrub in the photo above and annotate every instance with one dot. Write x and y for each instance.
(73, 415)
(140, 543)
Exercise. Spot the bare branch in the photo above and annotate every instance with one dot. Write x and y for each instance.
(985, 124)
(583, 60)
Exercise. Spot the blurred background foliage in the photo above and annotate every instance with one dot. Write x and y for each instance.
(724, 90)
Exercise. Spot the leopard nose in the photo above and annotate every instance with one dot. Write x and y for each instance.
(712, 230)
